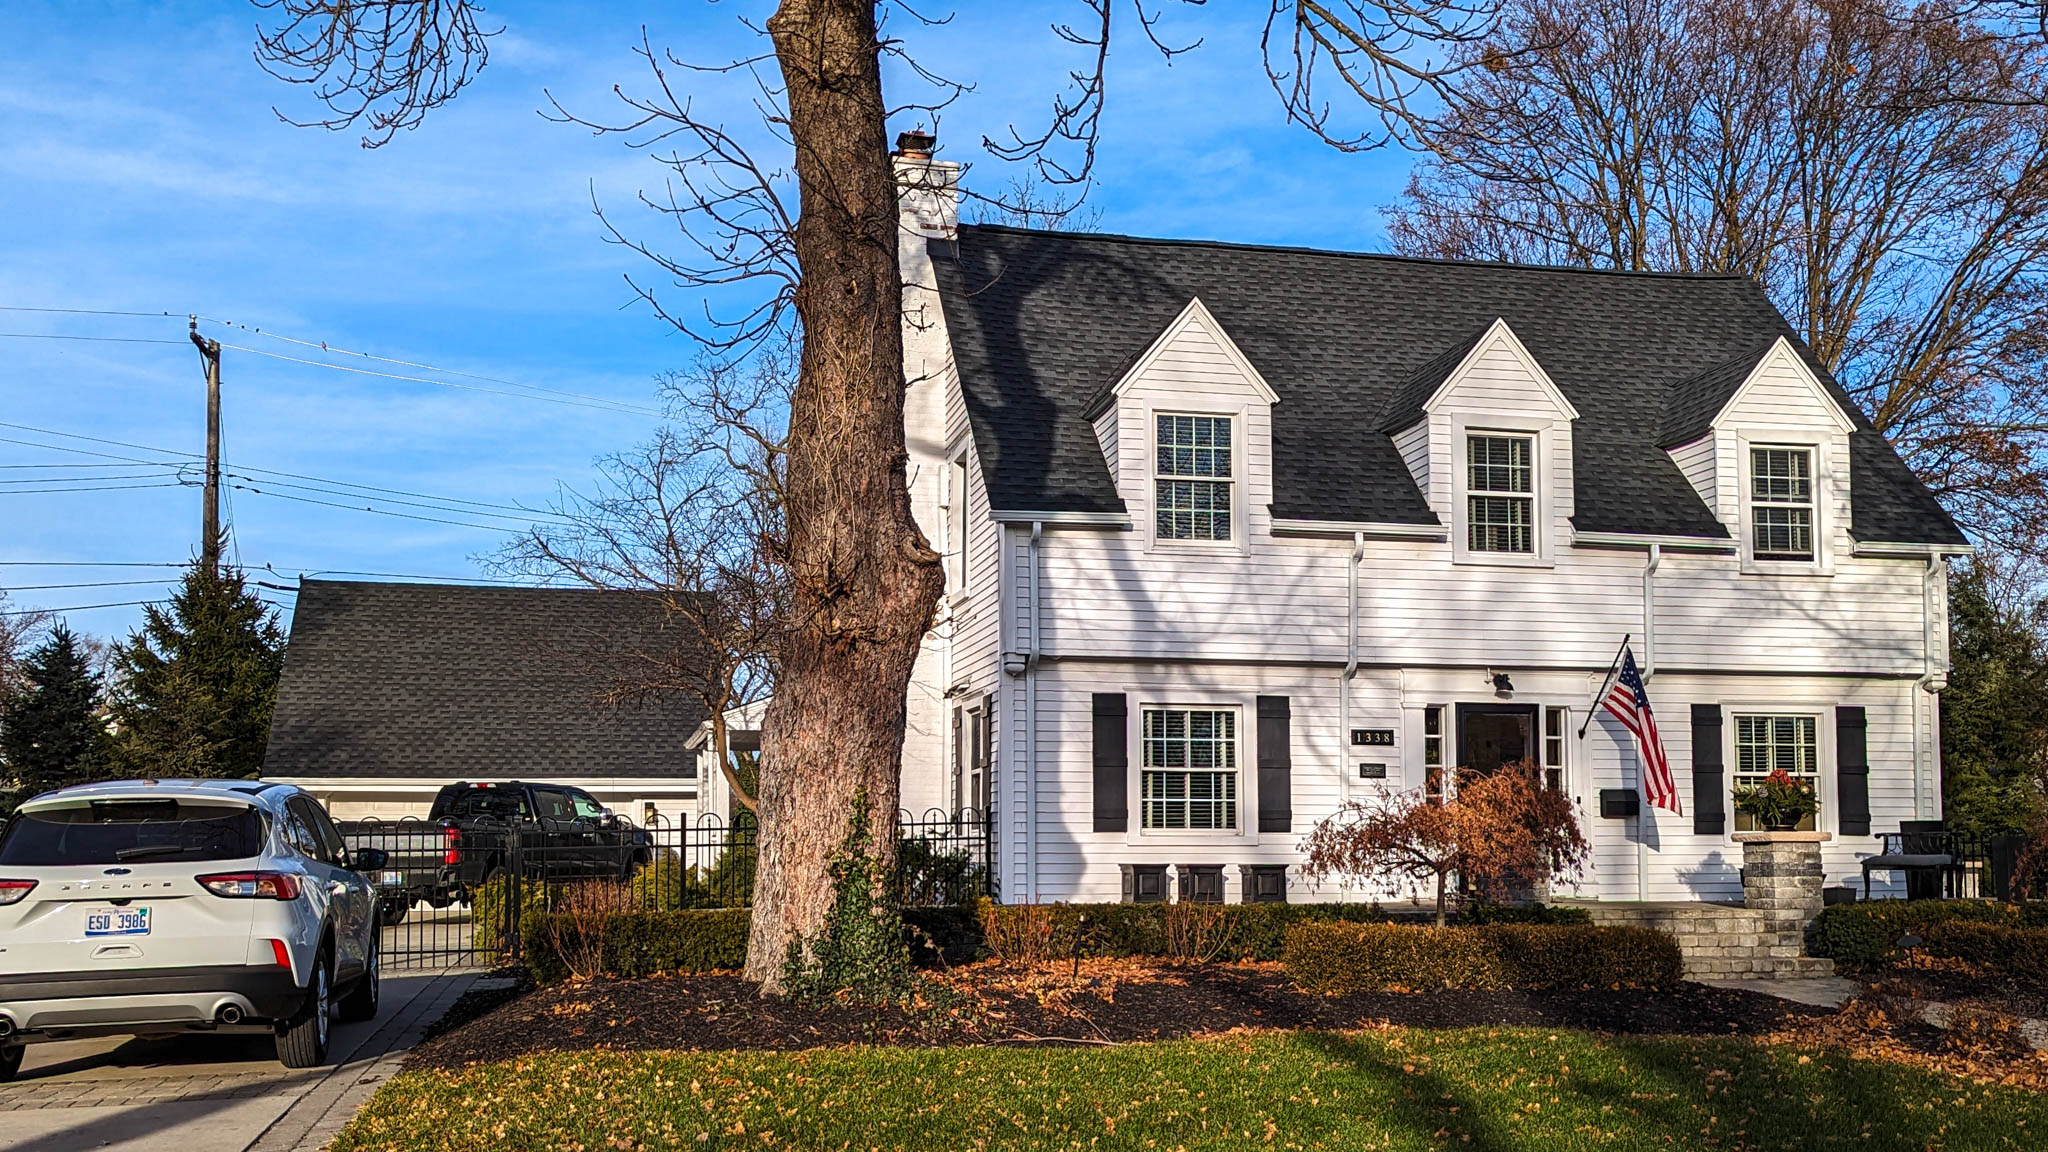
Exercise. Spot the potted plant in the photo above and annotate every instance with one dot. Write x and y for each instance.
(1778, 802)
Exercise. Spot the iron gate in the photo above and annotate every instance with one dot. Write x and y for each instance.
(455, 897)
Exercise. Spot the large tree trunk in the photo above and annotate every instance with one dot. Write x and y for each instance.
(864, 580)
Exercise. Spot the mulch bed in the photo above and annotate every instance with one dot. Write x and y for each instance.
(1111, 1002)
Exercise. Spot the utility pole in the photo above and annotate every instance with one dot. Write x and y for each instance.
(209, 543)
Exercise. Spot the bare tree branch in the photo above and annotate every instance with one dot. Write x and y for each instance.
(384, 63)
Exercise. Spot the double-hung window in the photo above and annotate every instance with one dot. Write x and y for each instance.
(1500, 495)
(1781, 503)
(1193, 479)
(1189, 773)
(1555, 721)
(1766, 744)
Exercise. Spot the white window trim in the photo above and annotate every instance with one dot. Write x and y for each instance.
(1240, 449)
(1192, 696)
(1543, 479)
(954, 503)
(1824, 736)
(1822, 563)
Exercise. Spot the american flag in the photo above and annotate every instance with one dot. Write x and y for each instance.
(1630, 704)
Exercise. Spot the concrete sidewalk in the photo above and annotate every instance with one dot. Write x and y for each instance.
(213, 1093)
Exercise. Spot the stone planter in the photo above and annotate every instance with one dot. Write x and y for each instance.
(1781, 879)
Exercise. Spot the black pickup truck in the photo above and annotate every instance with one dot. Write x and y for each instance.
(474, 831)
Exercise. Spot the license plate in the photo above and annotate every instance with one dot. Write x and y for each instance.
(117, 922)
(393, 880)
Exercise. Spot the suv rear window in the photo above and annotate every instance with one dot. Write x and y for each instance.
(482, 804)
(130, 831)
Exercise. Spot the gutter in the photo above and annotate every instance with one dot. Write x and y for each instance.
(1350, 666)
(1933, 678)
(1650, 566)
(1031, 719)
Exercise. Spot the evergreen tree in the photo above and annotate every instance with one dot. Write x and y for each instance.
(197, 683)
(51, 733)
(1994, 715)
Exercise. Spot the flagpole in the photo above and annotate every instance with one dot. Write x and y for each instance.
(1609, 678)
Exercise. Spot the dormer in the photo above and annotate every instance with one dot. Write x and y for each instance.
(1765, 444)
(1487, 435)
(1186, 430)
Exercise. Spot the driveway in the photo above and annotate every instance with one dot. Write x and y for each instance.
(213, 1093)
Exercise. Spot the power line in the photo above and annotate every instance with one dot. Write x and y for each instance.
(332, 349)
(93, 584)
(590, 402)
(95, 488)
(526, 514)
(73, 608)
(91, 439)
(99, 339)
(136, 464)
(70, 479)
(93, 564)
(84, 312)
(367, 508)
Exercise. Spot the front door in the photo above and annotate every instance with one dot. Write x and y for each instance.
(1490, 735)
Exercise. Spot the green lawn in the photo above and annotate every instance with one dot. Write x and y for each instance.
(1484, 1089)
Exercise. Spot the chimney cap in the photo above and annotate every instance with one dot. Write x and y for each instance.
(916, 144)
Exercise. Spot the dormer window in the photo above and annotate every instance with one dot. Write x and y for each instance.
(1500, 495)
(1781, 504)
(1193, 478)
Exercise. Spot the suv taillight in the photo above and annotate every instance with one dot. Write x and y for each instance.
(451, 839)
(252, 885)
(12, 891)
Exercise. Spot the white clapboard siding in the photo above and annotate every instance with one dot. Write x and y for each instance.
(1193, 373)
(1413, 445)
(1698, 460)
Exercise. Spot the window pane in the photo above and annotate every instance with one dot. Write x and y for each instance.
(1783, 533)
(1188, 778)
(1500, 524)
(1194, 445)
(1498, 464)
(1782, 475)
(1764, 744)
(1193, 509)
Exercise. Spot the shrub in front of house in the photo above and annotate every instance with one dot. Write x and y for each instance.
(1032, 933)
(2001, 951)
(627, 943)
(1866, 935)
(630, 944)
(1341, 959)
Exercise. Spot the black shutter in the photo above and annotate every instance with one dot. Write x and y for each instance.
(1112, 764)
(1276, 765)
(1852, 771)
(1709, 790)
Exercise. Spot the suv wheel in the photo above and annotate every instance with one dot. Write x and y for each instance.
(302, 1040)
(361, 1001)
(10, 1061)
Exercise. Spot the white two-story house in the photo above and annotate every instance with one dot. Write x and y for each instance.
(1235, 534)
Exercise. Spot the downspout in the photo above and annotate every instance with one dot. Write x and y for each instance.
(1031, 719)
(1350, 667)
(1932, 680)
(1656, 558)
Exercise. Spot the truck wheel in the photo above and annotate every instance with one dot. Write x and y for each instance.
(392, 914)
(302, 1040)
(10, 1061)
(361, 1001)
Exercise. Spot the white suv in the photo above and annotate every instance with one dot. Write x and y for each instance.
(161, 906)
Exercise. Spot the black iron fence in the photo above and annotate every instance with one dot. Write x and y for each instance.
(1971, 867)
(456, 894)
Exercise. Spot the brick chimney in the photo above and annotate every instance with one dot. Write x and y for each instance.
(928, 189)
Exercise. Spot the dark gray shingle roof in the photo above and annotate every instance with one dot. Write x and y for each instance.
(452, 682)
(1042, 322)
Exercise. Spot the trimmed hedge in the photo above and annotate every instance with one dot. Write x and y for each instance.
(1866, 935)
(1339, 959)
(1028, 933)
(639, 943)
(644, 942)
(1999, 950)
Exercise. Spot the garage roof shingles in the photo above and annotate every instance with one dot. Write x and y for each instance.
(450, 682)
(1042, 322)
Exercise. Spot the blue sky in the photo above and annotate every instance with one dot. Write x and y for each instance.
(142, 169)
